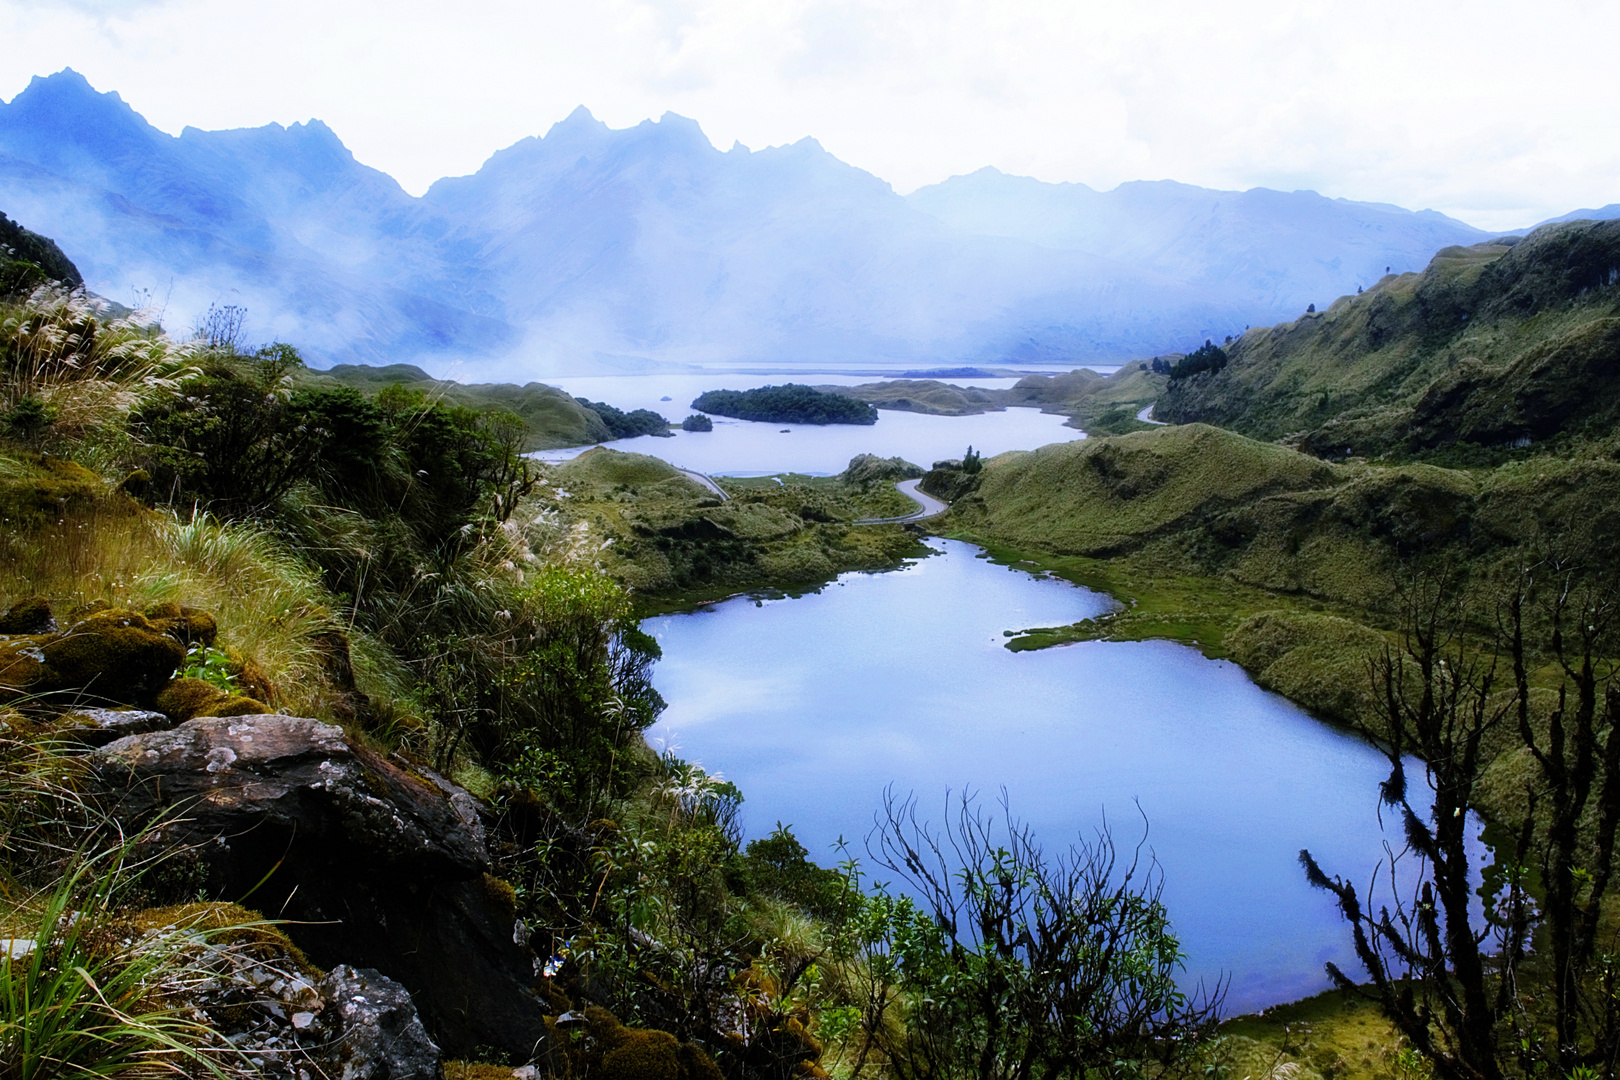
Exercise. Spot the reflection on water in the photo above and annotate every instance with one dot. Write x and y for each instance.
(741, 448)
(813, 705)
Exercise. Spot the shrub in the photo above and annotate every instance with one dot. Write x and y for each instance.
(697, 422)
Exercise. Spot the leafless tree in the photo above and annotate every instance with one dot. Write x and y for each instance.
(1526, 981)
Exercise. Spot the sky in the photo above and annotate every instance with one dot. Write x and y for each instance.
(1499, 113)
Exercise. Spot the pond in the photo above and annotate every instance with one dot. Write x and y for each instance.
(743, 448)
(813, 705)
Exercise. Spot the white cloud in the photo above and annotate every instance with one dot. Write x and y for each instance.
(1496, 111)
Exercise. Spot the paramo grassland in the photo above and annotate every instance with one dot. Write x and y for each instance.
(1482, 397)
(321, 714)
(1492, 351)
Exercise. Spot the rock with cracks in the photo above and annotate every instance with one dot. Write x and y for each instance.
(375, 1031)
(373, 863)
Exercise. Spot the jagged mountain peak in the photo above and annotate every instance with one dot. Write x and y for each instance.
(648, 241)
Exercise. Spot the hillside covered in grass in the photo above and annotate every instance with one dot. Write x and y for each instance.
(1491, 351)
(1106, 404)
(551, 417)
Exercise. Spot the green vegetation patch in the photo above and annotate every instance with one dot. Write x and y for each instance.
(552, 418)
(790, 403)
(677, 544)
(1105, 496)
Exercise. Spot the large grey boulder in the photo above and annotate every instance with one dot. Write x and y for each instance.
(374, 863)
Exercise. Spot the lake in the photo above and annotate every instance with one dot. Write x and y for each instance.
(813, 705)
(745, 448)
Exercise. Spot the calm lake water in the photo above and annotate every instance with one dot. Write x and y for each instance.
(813, 705)
(743, 448)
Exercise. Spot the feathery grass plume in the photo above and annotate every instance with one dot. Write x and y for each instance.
(66, 363)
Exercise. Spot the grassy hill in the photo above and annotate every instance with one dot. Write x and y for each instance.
(1491, 350)
(553, 417)
(1107, 404)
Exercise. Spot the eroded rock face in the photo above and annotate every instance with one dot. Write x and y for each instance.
(374, 864)
(375, 1030)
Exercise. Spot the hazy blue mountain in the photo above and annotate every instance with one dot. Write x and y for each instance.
(1269, 252)
(281, 220)
(650, 241)
(592, 249)
(1602, 213)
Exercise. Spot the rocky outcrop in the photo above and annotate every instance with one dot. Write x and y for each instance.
(375, 863)
(98, 727)
(375, 1033)
(285, 1019)
(871, 469)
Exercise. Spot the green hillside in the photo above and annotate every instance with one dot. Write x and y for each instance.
(1491, 350)
(554, 419)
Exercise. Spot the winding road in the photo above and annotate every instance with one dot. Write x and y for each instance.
(1146, 416)
(927, 506)
(700, 478)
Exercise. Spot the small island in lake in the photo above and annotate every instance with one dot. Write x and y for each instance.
(787, 404)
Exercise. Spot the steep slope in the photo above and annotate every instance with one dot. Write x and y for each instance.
(1492, 347)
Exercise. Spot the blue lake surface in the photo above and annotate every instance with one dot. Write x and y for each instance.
(744, 448)
(813, 705)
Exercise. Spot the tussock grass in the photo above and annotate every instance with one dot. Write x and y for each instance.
(268, 604)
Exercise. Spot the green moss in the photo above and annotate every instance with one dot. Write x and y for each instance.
(31, 615)
(643, 1055)
(114, 654)
(186, 699)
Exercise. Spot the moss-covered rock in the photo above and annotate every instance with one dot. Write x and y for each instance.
(111, 655)
(31, 615)
(186, 699)
(611, 1051)
(187, 625)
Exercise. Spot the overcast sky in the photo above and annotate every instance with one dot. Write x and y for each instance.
(1500, 113)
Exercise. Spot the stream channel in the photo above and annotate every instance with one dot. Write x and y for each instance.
(814, 705)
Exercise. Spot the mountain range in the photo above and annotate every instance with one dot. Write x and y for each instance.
(594, 250)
